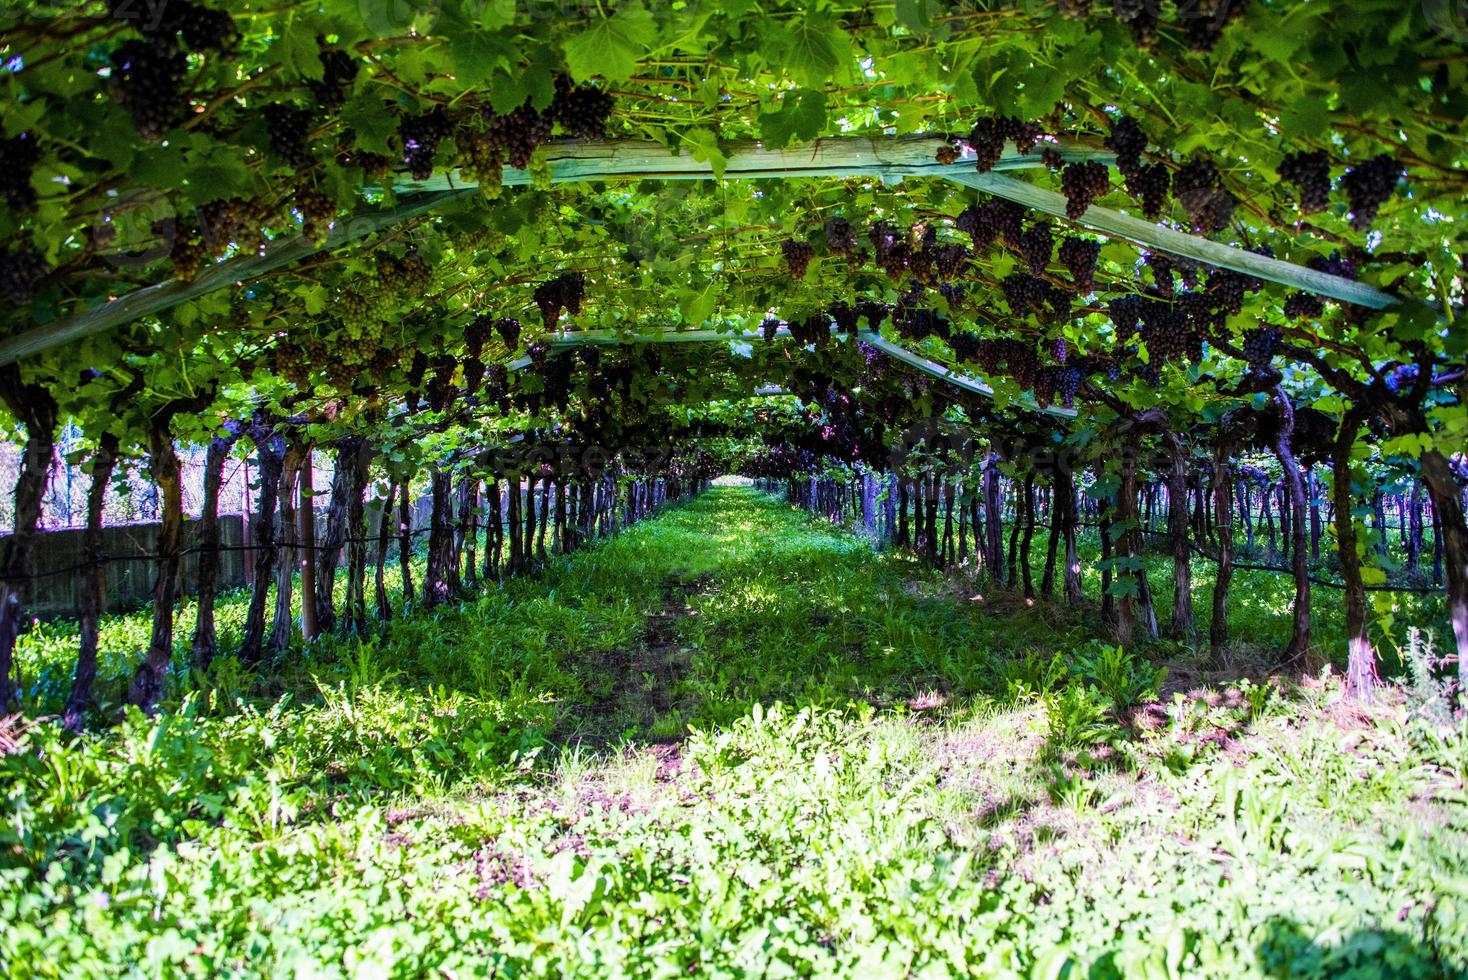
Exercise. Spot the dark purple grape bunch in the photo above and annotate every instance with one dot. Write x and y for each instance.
(1083, 183)
(147, 81)
(420, 136)
(1368, 185)
(1310, 174)
(797, 256)
(1079, 256)
(1035, 246)
(1259, 346)
(988, 136)
(1198, 186)
(20, 154)
(990, 221)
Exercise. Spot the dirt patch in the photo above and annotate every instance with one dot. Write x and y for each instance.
(645, 679)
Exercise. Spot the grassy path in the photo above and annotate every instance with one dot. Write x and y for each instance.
(734, 742)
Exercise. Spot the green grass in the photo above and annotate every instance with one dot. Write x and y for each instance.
(736, 741)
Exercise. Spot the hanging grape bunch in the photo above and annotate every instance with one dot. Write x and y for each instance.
(147, 78)
(21, 269)
(949, 260)
(289, 129)
(1202, 318)
(1125, 313)
(573, 291)
(1401, 378)
(405, 278)
(844, 316)
(873, 311)
(420, 136)
(582, 110)
(993, 220)
(953, 292)
(1165, 332)
(892, 250)
(440, 386)
(1259, 346)
(356, 313)
(518, 133)
(1161, 265)
(841, 240)
(1367, 186)
(417, 368)
(1128, 142)
(1035, 246)
(920, 265)
(1226, 288)
(1079, 256)
(496, 386)
(965, 345)
(797, 256)
(203, 29)
(20, 154)
(1047, 379)
(769, 326)
(1031, 294)
(1301, 305)
(548, 298)
(318, 212)
(338, 72)
(509, 330)
(1067, 384)
(1141, 18)
(1150, 185)
(1203, 22)
(989, 134)
(1052, 158)
(232, 222)
(1310, 173)
(478, 332)
(1333, 265)
(1198, 186)
(1082, 183)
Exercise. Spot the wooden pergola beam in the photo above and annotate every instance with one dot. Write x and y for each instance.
(841, 156)
(1160, 238)
(605, 338)
(578, 160)
(160, 296)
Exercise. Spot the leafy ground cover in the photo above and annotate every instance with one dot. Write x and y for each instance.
(732, 741)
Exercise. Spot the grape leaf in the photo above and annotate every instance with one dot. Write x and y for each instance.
(802, 114)
(298, 51)
(477, 53)
(704, 147)
(612, 47)
(813, 49)
(365, 116)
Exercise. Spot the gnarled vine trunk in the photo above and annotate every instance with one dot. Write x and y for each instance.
(1177, 531)
(33, 405)
(206, 640)
(94, 585)
(287, 539)
(1294, 482)
(384, 539)
(271, 452)
(1360, 657)
(149, 679)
